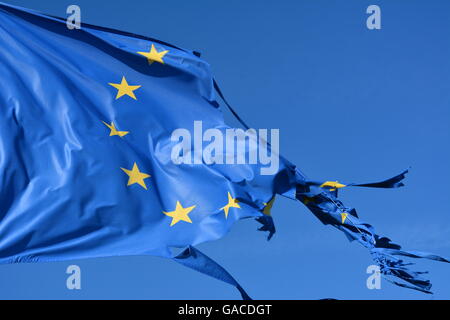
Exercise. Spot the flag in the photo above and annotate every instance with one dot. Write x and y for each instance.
(321, 200)
(86, 155)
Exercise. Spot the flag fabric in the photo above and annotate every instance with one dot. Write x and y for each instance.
(86, 119)
(324, 204)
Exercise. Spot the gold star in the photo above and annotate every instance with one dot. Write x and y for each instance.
(232, 203)
(153, 55)
(333, 185)
(124, 89)
(135, 176)
(114, 131)
(180, 214)
(268, 207)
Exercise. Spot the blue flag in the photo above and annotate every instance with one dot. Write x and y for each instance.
(86, 155)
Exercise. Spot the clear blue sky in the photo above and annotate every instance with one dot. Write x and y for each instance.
(351, 104)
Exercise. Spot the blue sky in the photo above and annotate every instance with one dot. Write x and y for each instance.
(351, 104)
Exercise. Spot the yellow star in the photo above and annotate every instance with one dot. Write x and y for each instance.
(124, 89)
(135, 176)
(180, 214)
(268, 207)
(153, 55)
(344, 216)
(232, 203)
(114, 131)
(333, 185)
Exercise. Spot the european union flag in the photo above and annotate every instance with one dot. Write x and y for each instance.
(86, 148)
